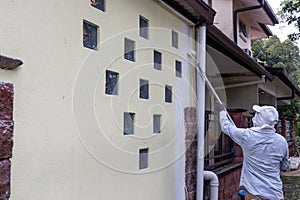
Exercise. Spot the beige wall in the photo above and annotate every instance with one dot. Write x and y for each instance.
(223, 18)
(242, 97)
(68, 137)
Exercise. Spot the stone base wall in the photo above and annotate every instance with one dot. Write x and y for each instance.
(229, 185)
(6, 137)
(191, 129)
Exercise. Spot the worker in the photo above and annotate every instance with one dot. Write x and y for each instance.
(265, 153)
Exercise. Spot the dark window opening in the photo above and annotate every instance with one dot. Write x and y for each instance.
(129, 52)
(90, 35)
(128, 123)
(143, 158)
(144, 24)
(243, 29)
(174, 39)
(157, 60)
(178, 69)
(156, 123)
(144, 89)
(100, 4)
(111, 84)
(168, 94)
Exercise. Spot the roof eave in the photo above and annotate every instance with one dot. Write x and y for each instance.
(195, 10)
(219, 41)
(283, 75)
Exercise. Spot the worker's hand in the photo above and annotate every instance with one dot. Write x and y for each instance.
(219, 106)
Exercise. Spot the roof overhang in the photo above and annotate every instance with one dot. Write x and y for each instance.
(261, 16)
(195, 10)
(219, 41)
(283, 75)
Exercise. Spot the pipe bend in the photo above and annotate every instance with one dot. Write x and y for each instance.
(212, 177)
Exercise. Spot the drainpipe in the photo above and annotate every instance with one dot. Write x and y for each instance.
(201, 174)
(214, 184)
(235, 12)
(201, 59)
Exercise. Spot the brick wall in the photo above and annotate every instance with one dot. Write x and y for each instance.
(190, 119)
(229, 182)
(229, 175)
(6, 137)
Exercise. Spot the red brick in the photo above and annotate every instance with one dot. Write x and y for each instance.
(191, 147)
(191, 182)
(4, 179)
(6, 138)
(190, 115)
(6, 101)
(238, 159)
(239, 151)
(190, 131)
(221, 183)
(190, 164)
(192, 195)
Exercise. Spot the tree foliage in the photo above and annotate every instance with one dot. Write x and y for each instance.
(290, 13)
(274, 53)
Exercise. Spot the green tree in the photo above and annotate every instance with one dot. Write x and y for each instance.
(274, 53)
(290, 10)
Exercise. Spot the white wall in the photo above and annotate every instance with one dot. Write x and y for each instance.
(68, 137)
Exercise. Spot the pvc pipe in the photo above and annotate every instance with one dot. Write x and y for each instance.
(201, 57)
(214, 184)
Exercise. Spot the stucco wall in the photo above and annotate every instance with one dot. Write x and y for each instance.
(242, 97)
(69, 142)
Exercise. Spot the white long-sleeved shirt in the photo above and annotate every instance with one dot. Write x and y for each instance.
(265, 154)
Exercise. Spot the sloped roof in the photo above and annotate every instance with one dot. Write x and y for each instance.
(283, 75)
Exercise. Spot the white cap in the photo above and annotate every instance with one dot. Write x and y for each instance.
(269, 114)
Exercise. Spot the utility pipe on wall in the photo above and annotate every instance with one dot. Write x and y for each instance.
(201, 63)
(201, 59)
(214, 184)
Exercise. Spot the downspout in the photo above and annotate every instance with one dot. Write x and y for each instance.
(201, 59)
(235, 12)
(287, 98)
(201, 174)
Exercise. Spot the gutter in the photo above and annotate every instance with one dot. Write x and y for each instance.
(235, 12)
(287, 98)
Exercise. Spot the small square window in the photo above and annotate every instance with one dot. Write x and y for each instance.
(156, 123)
(90, 35)
(168, 94)
(129, 52)
(174, 39)
(128, 123)
(143, 158)
(144, 89)
(178, 69)
(157, 60)
(100, 4)
(144, 24)
(111, 84)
